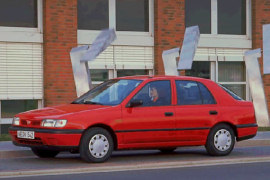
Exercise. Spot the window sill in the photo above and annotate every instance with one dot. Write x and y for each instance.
(19, 34)
(6, 120)
(123, 38)
(225, 41)
(232, 83)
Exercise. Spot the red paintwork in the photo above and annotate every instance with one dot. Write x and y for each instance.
(51, 139)
(119, 118)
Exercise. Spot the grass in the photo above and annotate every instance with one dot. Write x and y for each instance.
(5, 137)
(263, 128)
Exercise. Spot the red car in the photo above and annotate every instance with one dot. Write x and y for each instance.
(139, 112)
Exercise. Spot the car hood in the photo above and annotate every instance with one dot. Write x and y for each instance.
(58, 111)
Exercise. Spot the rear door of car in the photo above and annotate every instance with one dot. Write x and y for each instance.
(195, 109)
(149, 123)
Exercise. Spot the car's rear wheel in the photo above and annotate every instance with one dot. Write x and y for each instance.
(96, 145)
(167, 150)
(44, 153)
(220, 141)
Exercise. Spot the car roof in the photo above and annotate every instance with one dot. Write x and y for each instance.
(160, 77)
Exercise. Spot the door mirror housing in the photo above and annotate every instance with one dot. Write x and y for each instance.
(135, 103)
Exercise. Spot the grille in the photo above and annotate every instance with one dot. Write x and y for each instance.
(36, 141)
(30, 123)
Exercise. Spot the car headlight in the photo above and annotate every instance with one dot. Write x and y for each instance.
(16, 121)
(54, 123)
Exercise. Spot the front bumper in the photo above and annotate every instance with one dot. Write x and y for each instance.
(62, 138)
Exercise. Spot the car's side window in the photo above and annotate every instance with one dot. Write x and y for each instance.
(192, 93)
(207, 97)
(188, 93)
(156, 93)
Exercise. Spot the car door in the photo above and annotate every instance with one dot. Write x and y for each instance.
(150, 122)
(196, 110)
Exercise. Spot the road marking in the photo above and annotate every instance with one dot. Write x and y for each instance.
(146, 166)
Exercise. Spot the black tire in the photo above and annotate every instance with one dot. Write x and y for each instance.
(167, 150)
(44, 153)
(99, 152)
(220, 140)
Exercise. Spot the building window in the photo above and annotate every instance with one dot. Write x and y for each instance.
(199, 69)
(198, 12)
(132, 15)
(9, 108)
(18, 13)
(232, 17)
(217, 16)
(131, 72)
(99, 74)
(93, 14)
(122, 15)
(232, 75)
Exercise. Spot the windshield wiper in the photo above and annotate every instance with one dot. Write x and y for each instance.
(91, 102)
(74, 102)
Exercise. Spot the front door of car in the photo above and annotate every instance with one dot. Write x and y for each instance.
(196, 110)
(153, 120)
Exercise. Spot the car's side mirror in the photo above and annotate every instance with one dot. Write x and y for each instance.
(135, 103)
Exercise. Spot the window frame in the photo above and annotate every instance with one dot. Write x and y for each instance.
(24, 34)
(123, 37)
(247, 94)
(227, 40)
(112, 73)
(214, 77)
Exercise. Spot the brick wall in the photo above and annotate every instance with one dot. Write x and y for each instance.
(169, 28)
(60, 35)
(260, 16)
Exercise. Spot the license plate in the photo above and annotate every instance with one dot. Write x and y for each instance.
(26, 134)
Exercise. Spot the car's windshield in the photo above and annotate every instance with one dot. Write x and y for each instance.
(111, 92)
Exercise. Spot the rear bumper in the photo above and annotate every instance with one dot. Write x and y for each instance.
(246, 131)
(61, 139)
(245, 137)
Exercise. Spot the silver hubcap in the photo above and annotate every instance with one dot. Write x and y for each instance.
(223, 140)
(99, 146)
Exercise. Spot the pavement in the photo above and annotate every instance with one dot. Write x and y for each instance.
(8, 150)
(21, 162)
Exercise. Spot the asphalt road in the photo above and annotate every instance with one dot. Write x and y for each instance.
(123, 158)
(184, 163)
(246, 171)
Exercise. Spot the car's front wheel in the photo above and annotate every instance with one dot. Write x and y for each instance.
(44, 153)
(220, 141)
(96, 145)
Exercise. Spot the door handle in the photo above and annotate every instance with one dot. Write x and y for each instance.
(168, 113)
(213, 112)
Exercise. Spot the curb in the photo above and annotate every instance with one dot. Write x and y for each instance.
(253, 143)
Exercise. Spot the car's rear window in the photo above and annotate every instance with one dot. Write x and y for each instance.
(231, 93)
